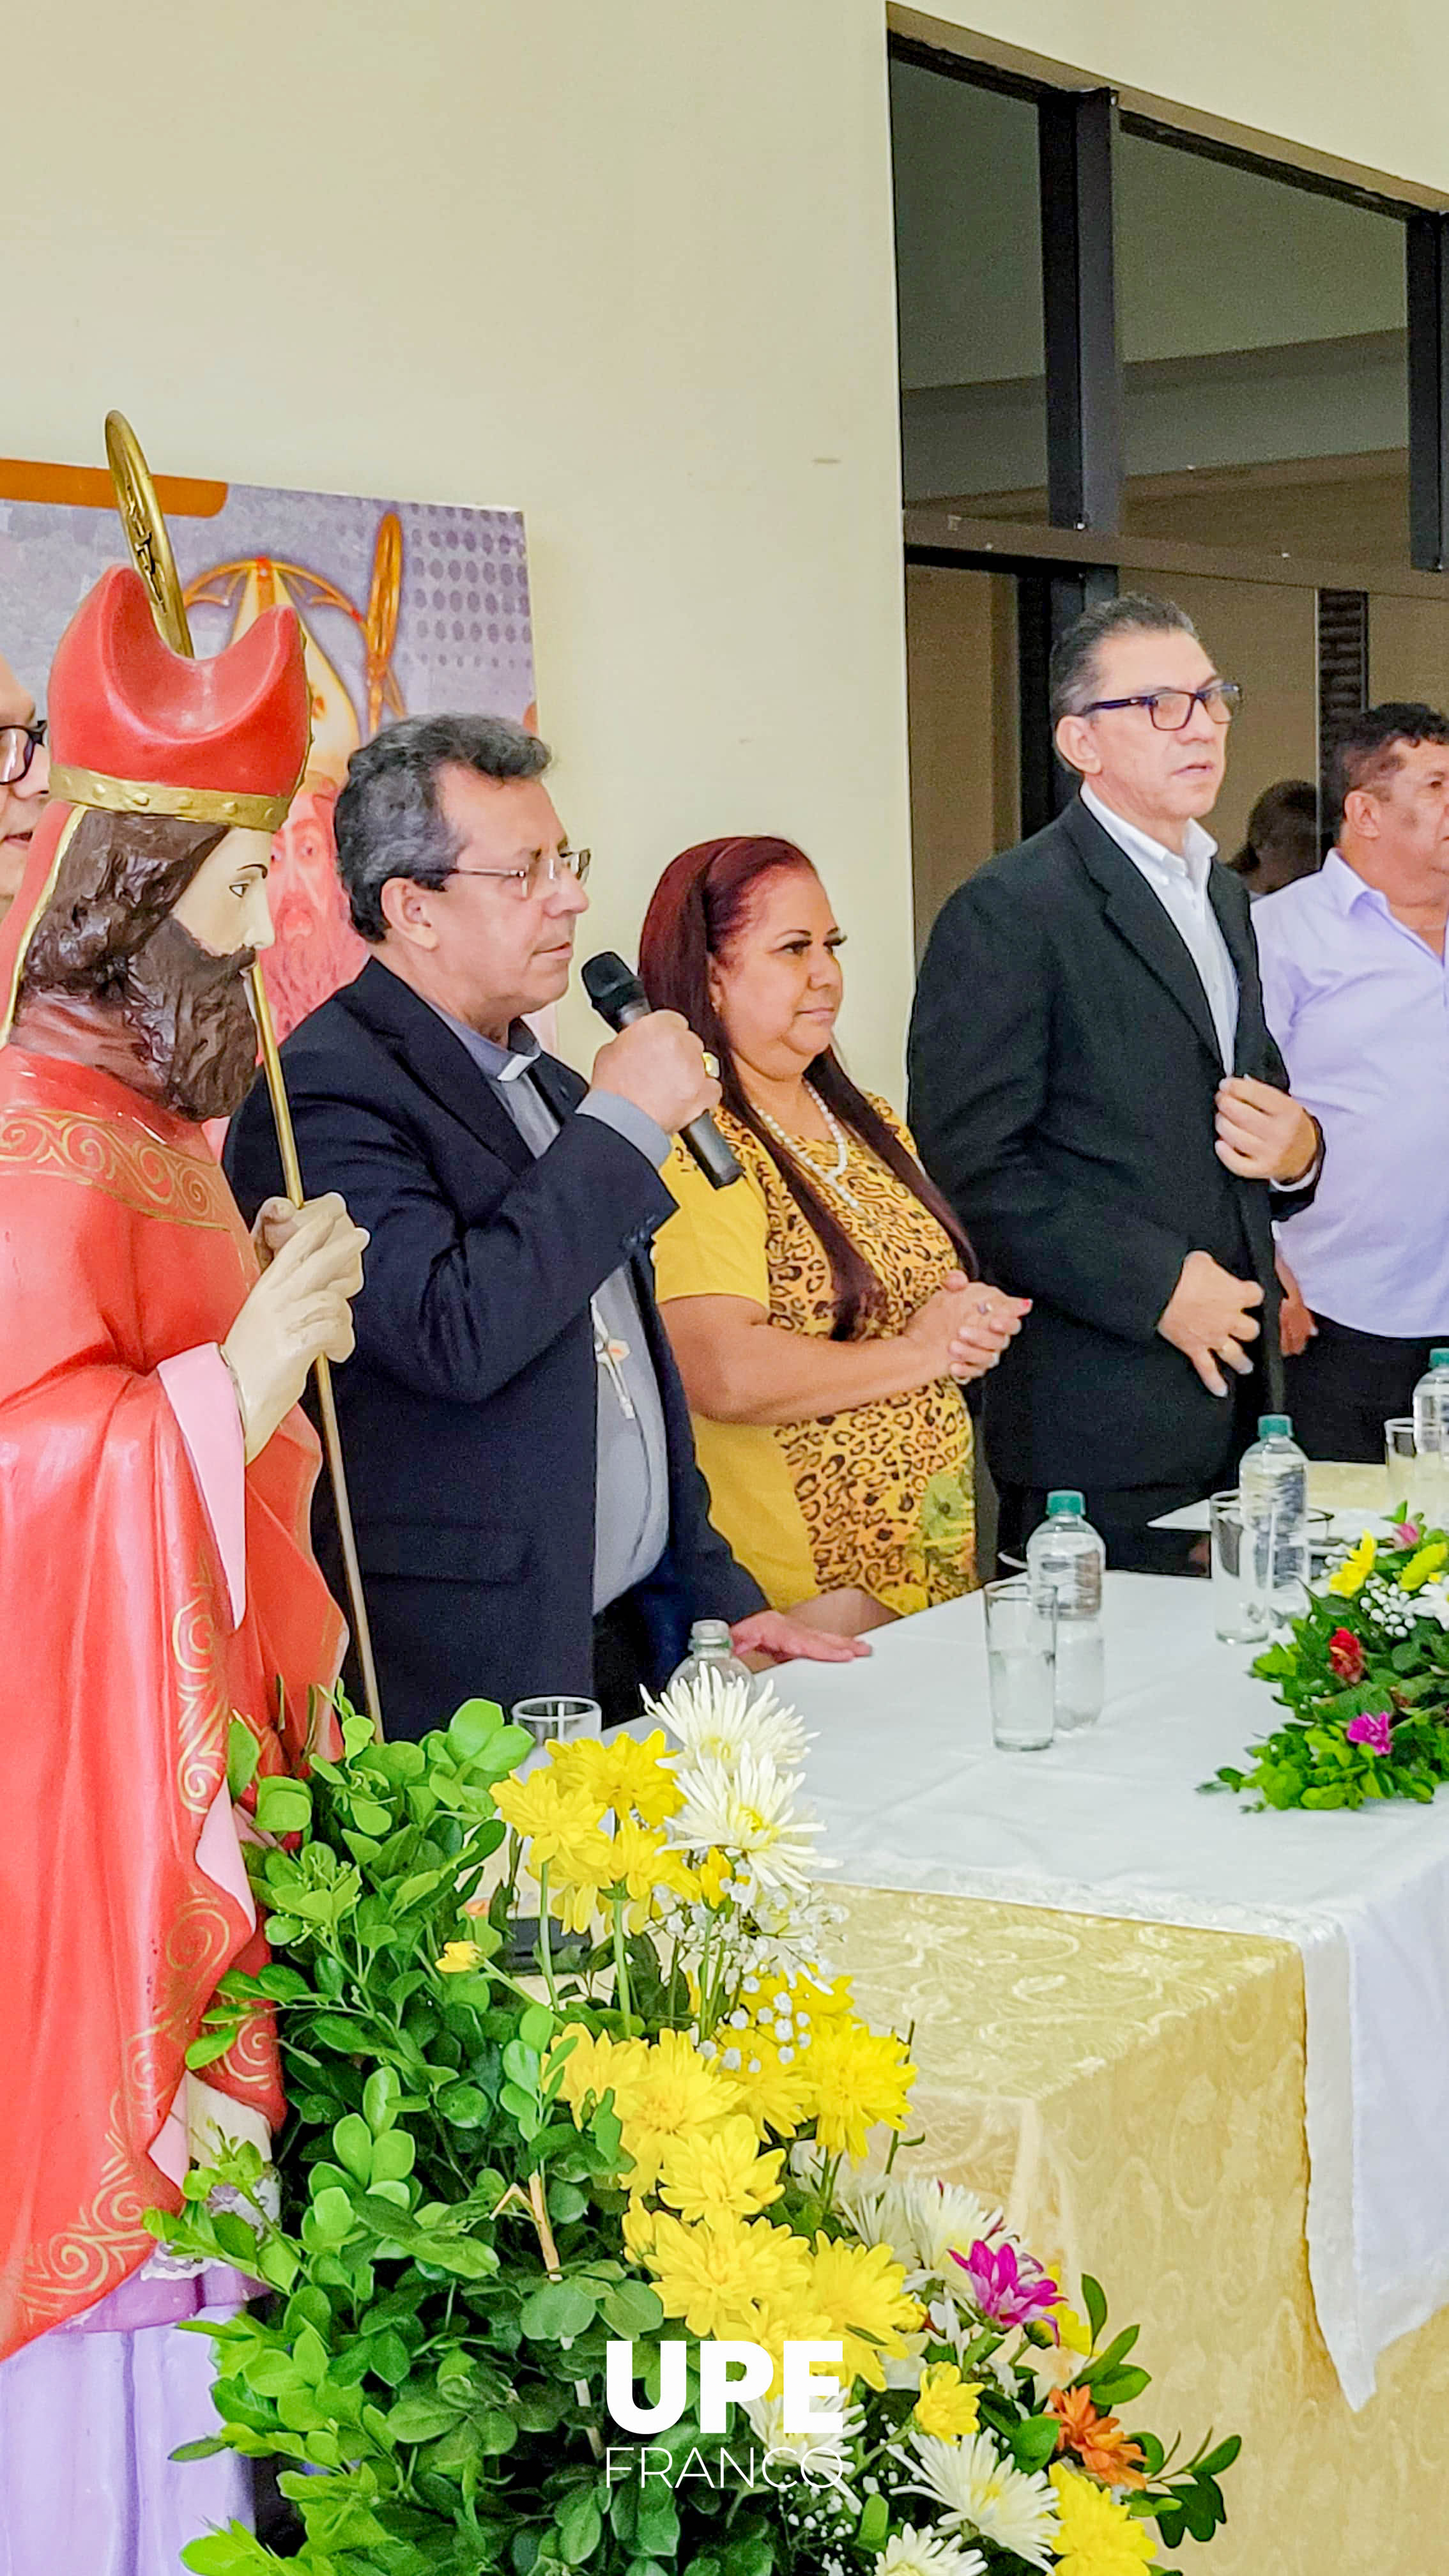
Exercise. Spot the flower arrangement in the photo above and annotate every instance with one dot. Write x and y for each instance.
(1365, 1676)
(568, 2067)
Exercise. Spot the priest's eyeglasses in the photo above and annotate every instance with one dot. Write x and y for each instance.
(18, 747)
(544, 868)
(1170, 709)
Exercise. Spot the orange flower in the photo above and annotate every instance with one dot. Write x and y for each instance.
(1098, 2440)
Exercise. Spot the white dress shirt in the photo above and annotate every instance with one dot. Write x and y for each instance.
(1181, 887)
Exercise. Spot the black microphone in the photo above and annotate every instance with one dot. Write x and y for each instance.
(620, 998)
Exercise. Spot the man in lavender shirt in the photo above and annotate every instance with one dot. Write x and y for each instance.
(1355, 992)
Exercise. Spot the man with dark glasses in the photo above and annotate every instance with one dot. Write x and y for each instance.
(24, 779)
(1094, 1086)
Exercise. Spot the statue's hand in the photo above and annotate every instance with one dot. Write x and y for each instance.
(277, 1221)
(298, 1311)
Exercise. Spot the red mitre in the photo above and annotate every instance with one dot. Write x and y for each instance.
(138, 729)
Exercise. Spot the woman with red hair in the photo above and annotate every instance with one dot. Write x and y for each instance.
(824, 1311)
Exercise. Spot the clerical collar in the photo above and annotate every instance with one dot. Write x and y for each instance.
(500, 1063)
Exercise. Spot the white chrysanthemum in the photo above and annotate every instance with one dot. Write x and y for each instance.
(842, 2426)
(920, 2219)
(751, 1810)
(983, 2494)
(717, 1719)
(926, 2553)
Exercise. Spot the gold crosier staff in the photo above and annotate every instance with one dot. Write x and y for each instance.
(150, 545)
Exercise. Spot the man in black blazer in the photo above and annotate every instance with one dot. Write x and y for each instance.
(1094, 1086)
(529, 1514)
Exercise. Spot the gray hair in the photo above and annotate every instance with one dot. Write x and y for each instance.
(1076, 657)
(389, 822)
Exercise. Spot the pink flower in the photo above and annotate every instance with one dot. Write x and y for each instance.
(1406, 1533)
(1371, 1730)
(1010, 2289)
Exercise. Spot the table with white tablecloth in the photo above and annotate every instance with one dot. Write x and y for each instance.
(1113, 1821)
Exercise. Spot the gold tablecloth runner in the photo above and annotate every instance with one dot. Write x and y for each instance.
(1132, 2094)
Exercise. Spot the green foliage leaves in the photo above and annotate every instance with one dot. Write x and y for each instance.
(447, 2256)
(1400, 1667)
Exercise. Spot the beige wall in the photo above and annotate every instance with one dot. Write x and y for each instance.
(627, 266)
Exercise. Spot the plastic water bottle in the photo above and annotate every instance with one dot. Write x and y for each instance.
(711, 1650)
(1065, 1555)
(1273, 1495)
(1431, 1437)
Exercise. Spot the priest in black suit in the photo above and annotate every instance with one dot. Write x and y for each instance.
(1094, 1087)
(530, 1518)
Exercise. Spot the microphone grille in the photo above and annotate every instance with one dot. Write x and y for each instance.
(610, 984)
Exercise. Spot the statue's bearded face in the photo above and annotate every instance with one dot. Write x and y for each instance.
(189, 1012)
(149, 932)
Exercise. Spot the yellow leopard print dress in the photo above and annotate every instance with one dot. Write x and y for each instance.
(879, 1495)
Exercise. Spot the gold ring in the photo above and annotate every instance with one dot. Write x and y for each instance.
(711, 1065)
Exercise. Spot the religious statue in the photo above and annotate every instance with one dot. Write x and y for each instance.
(158, 1587)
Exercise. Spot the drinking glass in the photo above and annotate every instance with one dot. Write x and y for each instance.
(1240, 1613)
(555, 1718)
(1410, 1473)
(1021, 1656)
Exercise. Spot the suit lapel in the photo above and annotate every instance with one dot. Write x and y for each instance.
(1230, 910)
(562, 1088)
(1136, 915)
(426, 1048)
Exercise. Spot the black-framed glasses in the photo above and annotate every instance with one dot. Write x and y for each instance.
(18, 747)
(544, 868)
(1170, 709)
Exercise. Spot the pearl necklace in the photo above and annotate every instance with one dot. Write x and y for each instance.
(792, 1145)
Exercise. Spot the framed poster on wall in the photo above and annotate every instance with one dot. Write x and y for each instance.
(407, 608)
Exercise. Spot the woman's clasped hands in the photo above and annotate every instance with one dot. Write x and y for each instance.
(967, 1325)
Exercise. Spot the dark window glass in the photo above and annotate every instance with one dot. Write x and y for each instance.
(968, 277)
(1263, 339)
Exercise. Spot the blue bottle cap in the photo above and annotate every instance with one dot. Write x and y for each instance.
(1275, 1425)
(1065, 1501)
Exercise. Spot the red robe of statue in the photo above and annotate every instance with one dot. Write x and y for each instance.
(121, 1247)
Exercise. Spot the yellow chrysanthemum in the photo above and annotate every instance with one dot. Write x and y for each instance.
(718, 2274)
(595, 2065)
(1074, 2331)
(710, 1876)
(674, 2094)
(1351, 1576)
(856, 2078)
(1424, 1562)
(1096, 2537)
(642, 1864)
(774, 2091)
(948, 2405)
(790, 2316)
(721, 2174)
(623, 1774)
(458, 1958)
(580, 1871)
(861, 2289)
(553, 1815)
(638, 2229)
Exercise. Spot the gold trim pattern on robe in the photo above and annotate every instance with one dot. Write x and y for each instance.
(149, 1178)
